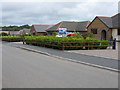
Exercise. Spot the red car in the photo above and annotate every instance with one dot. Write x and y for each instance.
(71, 34)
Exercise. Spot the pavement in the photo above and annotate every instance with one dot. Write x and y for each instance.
(105, 63)
(25, 69)
(109, 53)
(105, 53)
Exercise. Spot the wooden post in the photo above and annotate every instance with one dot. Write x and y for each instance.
(23, 40)
(62, 45)
(52, 44)
(88, 45)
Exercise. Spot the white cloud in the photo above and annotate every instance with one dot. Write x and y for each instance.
(53, 12)
(0, 15)
(59, 0)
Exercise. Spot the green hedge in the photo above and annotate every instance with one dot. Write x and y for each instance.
(11, 38)
(52, 40)
(48, 41)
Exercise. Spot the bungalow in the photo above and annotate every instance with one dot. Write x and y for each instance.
(24, 31)
(1, 31)
(7, 32)
(71, 26)
(116, 26)
(10, 33)
(105, 28)
(13, 33)
(39, 29)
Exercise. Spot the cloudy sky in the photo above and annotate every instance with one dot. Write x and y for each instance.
(19, 13)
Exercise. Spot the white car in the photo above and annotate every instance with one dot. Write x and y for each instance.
(58, 35)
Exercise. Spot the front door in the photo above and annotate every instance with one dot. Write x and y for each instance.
(103, 35)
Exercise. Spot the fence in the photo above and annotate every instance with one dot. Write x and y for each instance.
(89, 44)
(72, 45)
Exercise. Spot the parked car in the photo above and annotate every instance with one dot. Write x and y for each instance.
(71, 34)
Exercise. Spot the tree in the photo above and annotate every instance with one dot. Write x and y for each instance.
(78, 35)
(54, 33)
(88, 34)
(4, 34)
(15, 28)
(25, 26)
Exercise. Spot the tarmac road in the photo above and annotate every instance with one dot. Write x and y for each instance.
(107, 63)
(25, 69)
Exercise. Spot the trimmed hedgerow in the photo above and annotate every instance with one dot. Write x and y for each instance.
(11, 38)
(69, 42)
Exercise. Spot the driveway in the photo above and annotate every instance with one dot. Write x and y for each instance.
(112, 54)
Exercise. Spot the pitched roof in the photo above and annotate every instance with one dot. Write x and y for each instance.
(83, 25)
(116, 21)
(25, 30)
(70, 25)
(54, 27)
(41, 27)
(110, 22)
(13, 32)
(106, 20)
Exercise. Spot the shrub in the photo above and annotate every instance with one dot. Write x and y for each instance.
(78, 35)
(54, 33)
(56, 42)
(3, 34)
(11, 38)
(48, 41)
(89, 34)
(104, 43)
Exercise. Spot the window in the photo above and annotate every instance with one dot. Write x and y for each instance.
(118, 31)
(94, 31)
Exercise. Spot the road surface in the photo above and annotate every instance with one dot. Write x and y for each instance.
(25, 69)
(0, 65)
(99, 61)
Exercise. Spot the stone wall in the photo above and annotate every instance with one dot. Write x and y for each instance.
(100, 26)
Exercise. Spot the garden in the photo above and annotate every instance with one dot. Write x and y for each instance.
(62, 43)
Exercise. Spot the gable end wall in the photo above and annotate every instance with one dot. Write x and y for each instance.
(99, 25)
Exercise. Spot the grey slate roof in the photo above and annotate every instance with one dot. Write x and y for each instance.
(116, 21)
(14, 32)
(107, 21)
(82, 25)
(26, 30)
(41, 28)
(54, 27)
(111, 22)
(70, 25)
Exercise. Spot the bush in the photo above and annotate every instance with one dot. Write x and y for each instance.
(48, 41)
(3, 34)
(54, 33)
(78, 35)
(70, 43)
(104, 43)
(91, 35)
(11, 38)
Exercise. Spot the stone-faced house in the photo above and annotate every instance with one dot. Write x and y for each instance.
(39, 29)
(116, 26)
(105, 28)
(71, 26)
